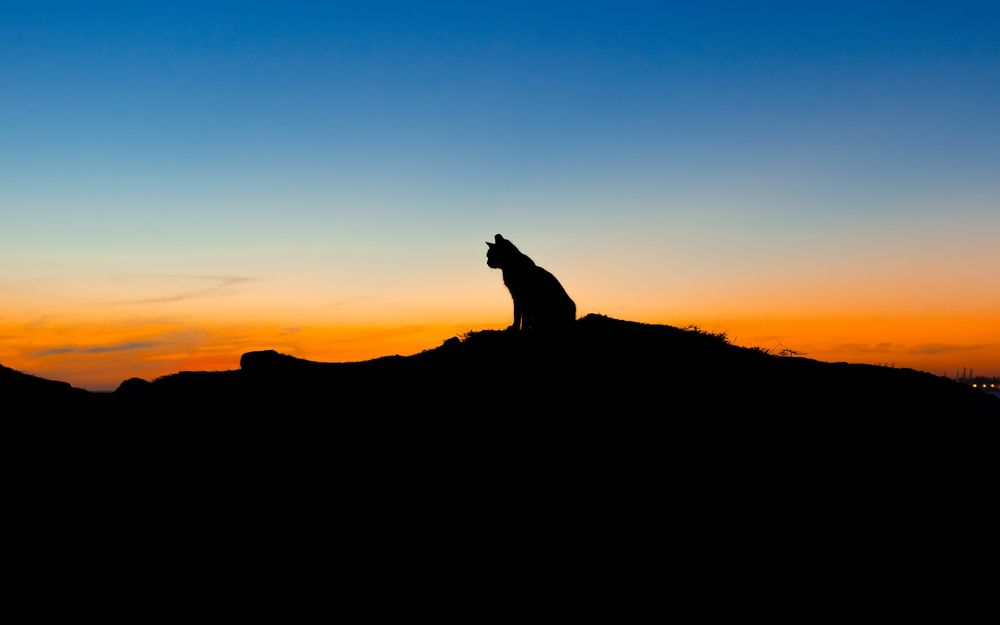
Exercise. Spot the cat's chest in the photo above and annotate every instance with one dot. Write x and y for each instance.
(515, 281)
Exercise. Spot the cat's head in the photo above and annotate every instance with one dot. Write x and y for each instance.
(501, 253)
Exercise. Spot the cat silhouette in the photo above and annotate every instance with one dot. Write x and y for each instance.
(540, 302)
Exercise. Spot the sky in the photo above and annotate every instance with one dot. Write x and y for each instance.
(182, 182)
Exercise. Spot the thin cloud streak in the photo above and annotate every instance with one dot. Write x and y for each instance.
(127, 346)
(156, 342)
(865, 348)
(943, 348)
(220, 286)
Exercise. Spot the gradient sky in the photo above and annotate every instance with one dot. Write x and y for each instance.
(181, 182)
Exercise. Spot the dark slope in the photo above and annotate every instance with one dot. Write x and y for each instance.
(689, 474)
(24, 394)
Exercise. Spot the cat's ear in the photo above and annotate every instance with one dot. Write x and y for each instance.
(490, 244)
(498, 238)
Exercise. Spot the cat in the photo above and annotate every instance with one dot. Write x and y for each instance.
(540, 302)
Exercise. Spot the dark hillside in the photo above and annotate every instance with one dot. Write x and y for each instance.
(691, 475)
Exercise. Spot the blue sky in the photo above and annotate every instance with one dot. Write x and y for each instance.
(477, 98)
(647, 149)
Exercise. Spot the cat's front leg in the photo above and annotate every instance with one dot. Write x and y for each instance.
(514, 327)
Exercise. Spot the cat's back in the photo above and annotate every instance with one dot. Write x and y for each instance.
(548, 289)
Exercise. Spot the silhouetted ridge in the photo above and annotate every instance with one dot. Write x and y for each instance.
(612, 455)
(30, 402)
(133, 387)
(269, 360)
(12, 381)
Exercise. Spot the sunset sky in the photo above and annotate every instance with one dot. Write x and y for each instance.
(182, 182)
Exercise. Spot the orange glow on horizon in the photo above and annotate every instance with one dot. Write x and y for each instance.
(99, 355)
(938, 344)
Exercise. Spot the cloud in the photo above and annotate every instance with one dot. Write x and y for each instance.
(126, 346)
(926, 349)
(159, 341)
(38, 322)
(943, 348)
(208, 286)
(865, 348)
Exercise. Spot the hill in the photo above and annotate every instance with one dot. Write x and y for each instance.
(621, 463)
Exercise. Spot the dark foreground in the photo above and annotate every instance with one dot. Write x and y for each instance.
(616, 468)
